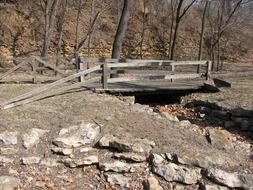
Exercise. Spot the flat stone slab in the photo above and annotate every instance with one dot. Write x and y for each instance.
(118, 179)
(78, 135)
(30, 160)
(9, 183)
(79, 162)
(126, 144)
(9, 137)
(232, 180)
(32, 137)
(120, 167)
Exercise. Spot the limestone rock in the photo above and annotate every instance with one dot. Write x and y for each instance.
(221, 139)
(232, 180)
(62, 151)
(9, 183)
(185, 123)
(76, 136)
(169, 116)
(8, 151)
(172, 172)
(214, 187)
(197, 159)
(152, 184)
(117, 179)
(49, 162)
(79, 162)
(32, 138)
(119, 166)
(9, 137)
(6, 160)
(30, 160)
(158, 158)
(133, 157)
(126, 144)
(178, 186)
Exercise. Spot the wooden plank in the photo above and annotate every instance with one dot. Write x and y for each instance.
(105, 76)
(137, 64)
(122, 60)
(178, 63)
(13, 69)
(150, 64)
(51, 85)
(50, 66)
(155, 77)
(54, 93)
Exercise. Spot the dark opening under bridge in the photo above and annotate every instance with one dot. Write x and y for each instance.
(133, 76)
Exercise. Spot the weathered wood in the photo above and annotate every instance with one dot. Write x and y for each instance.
(105, 76)
(178, 63)
(54, 93)
(81, 68)
(49, 86)
(155, 77)
(98, 60)
(13, 69)
(137, 64)
(208, 71)
(121, 60)
(155, 64)
(34, 70)
(50, 66)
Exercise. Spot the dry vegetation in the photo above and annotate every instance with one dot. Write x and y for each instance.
(22, 29)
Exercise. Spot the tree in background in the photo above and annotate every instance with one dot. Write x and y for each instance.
(121, 29)
(50, 9)
(59, 25)
(180, 13)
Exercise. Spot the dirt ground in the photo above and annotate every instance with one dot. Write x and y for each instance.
(116, 116)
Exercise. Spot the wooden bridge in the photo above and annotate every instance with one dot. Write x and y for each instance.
(133, 76)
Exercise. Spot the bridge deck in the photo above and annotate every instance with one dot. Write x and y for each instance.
(147, 87)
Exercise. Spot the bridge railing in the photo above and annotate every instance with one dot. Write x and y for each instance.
(111, 66)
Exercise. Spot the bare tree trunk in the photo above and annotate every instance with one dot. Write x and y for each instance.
(50, 14)
(118, 40)
(202, 30)
(171, 29)
(143, 28)
(90, 35)
(202, 33)
(179, 17)
(60, 32)
(76, 40)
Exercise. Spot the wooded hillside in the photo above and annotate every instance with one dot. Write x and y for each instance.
(174, 29)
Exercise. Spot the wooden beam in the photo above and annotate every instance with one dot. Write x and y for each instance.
(50, 66)
(51, 85)
(155, 77)
(13, 69)
(178, 63)
(137, 64)
(54, 93)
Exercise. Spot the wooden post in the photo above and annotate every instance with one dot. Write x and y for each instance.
(81, 68)
(198, 69)
(34, 70)
(104, 76)
(208, 70)
(172, 71)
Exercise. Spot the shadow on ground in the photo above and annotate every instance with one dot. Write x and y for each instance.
(238, 121)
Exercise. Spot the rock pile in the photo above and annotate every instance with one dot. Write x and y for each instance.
(126, 162)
